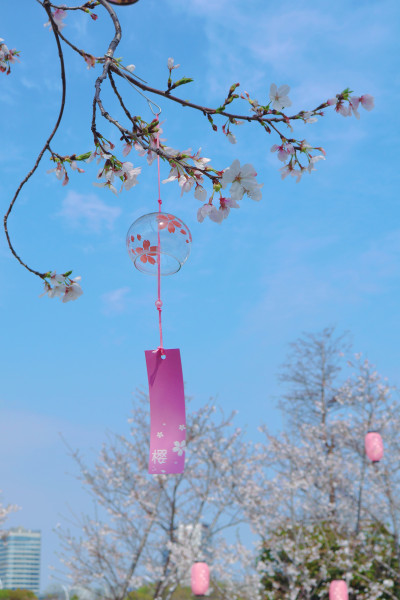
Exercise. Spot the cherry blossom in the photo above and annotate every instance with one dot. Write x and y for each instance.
(191, 170)
(200, 193)
(58, 15)
(186, 183)
(312, 162)
(367, 101)
(200, 162)
(106, 184)
(231, 137)
(342, 109)
(89, 60)
(284, 150)
(290, 170)
(207, 210)
(243, 180)
(279, 96)
(73, 290)
(309, 117)
(149, 153)
(62, 286)
(126, 149)
(129, 175)
(59, 171)
(171, 64)
(74, 167)
(7, 57)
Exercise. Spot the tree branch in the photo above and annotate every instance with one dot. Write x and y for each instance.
(46, 6)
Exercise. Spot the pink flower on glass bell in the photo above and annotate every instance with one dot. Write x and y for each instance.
(338, 590)
(374, 446)
(200, 578)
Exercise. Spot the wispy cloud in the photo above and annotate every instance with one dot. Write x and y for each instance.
(116, 301)
(302, 286)
(272, 43)
(89, 211)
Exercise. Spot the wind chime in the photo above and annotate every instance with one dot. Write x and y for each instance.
(159, 244)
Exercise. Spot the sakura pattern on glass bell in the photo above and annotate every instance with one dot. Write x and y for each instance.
(159, 236)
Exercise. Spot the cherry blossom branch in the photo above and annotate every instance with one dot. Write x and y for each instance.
(46, 146)
(212, 111)
(109, 55)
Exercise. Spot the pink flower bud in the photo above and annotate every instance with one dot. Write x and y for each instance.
(367, 101)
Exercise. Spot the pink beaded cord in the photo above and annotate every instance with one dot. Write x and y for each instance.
(159, 301)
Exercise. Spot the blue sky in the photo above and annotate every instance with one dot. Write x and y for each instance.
(322, 252)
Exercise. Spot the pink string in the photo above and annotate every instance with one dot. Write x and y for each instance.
(159, 301)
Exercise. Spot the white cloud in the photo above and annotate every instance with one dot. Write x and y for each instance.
(115, 302)
(89, 211)
(296, 42)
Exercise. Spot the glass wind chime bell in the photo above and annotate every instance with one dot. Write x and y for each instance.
(159, 244)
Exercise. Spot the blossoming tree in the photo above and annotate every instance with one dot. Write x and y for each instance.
(150, 529)
(218, 188)
(322, 509)
(319, 508)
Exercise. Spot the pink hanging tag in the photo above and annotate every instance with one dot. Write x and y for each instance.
(167, 412)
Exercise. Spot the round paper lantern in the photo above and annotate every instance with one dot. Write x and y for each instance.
(374, 446)
(142, 243)
(200, 578)
(338, 590)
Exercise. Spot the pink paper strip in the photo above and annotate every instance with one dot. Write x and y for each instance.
(167, 412)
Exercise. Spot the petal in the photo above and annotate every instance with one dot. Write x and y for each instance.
(283, 90)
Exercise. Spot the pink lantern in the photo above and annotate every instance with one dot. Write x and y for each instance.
(338, 590)
(200, 576)
(374, 446)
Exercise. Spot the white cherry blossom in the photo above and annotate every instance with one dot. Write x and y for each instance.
(207, 210)
(243, 180)
(200, 193)
(130, 173)
(171, 64)
(59, 171)
(73, 290)
(58, 15)
(279, 96)
(312, 162)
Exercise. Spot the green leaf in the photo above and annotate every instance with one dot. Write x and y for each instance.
(182, 81)
(83, 156)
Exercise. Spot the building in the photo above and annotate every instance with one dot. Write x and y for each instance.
(20, 559)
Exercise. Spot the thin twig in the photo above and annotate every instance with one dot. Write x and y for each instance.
(211, 111)
(46, 6)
